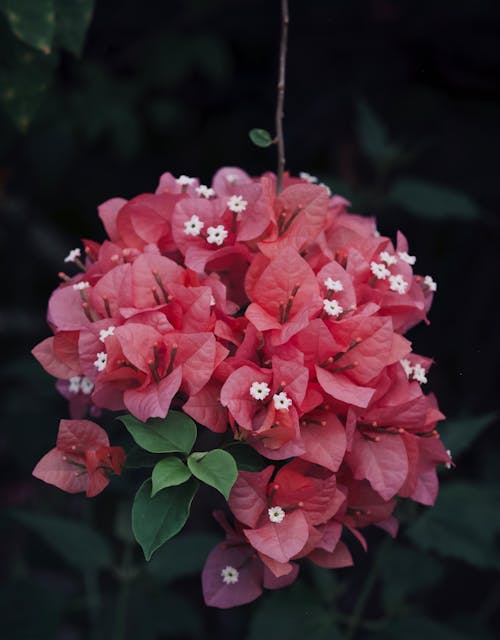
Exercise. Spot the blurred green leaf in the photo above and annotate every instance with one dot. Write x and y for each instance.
(292, 614)
(169, 472)
(183, 556)
(137, 458)
(459, 434)
(431, 201)
(156, 520)
(372, 134)
(405, 571)
(260, 137)
(464, 524)
(216, 468)
(74, 541)
(72, 21)
(32, 21)
(175, 433)
(247, 459)
(417, 628)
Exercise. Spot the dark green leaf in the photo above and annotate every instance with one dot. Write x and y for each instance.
(459, 434)
(463, 524)
(417, 628)
(216, 468)
(169, 472)
(292, 614)
(175, 433)
(246, 458)
(74, 541)
(183, 556)
(137, 458)
(260, 137)
(372, 133)
(32, 21)
(72, 21)
(431, 201)
(156, 520)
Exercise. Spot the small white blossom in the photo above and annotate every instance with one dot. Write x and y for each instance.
(386, 257)
(276, 514)
(193, 226)
(101, 360)
(430, 283)
(303, 175)
(332, 307)
(333, 285)
(230, 575)
(217, 235)
(205, 192)
(398, 283)
(105, 333)
(86, 386)
(237, 204)
(80, 286)
(379, 270)
(74, 384)
(376, 233)
(419, 374)
(325, 186)
(212, 301)
(406, 257)
(449, 463)
(259, 390)
(281, 401)
(231, 178)
(185, 181)
(73, 255)
(406, 364)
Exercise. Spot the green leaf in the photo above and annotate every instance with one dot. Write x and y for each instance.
(246, 458)
(260, 137)
(169, 472)
(72, 21)
(156, 520)
(459, 434)
(372, 133)
(174, 434)
(463, 524)
(433, 202)
(32, 21)
(183, 556)
(74, 541)
(418, 627)
(216, 468)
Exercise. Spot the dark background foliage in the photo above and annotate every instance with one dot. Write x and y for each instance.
(396, 105)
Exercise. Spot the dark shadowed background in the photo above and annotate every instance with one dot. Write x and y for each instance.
(393, 103)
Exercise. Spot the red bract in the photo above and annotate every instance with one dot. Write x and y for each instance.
(276, 317)
(82, 459)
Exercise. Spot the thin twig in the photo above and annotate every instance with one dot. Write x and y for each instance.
(280, 139)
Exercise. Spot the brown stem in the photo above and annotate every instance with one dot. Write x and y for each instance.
(281, 95)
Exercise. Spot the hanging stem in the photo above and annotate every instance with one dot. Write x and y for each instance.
(280, 140)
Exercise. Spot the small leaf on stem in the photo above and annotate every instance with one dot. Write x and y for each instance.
(260, 137)
(216, 468)
(169, 472)
(175, 433)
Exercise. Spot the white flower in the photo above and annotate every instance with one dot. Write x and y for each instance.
(193, 226)
(276, 514)
(386, 257)
(185, 181)
(101, 360)
(237, 204)
(281, 401)
(259, 390)
(217, 235)
(303, 175)
(86, 386)
(379, 270)
(332, 307)
(448, 464)
(325, 186)
(406, 257)
(205, 192)
(429, 282)
(398, 283)
(333, 285)
(230, 575)
(73, 255)
(74, 384)
(231, 178)
(104, 333)
(406, 364)
(80, 286)
(419, 374)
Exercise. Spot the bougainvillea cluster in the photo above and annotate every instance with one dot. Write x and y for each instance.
(278, 318)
